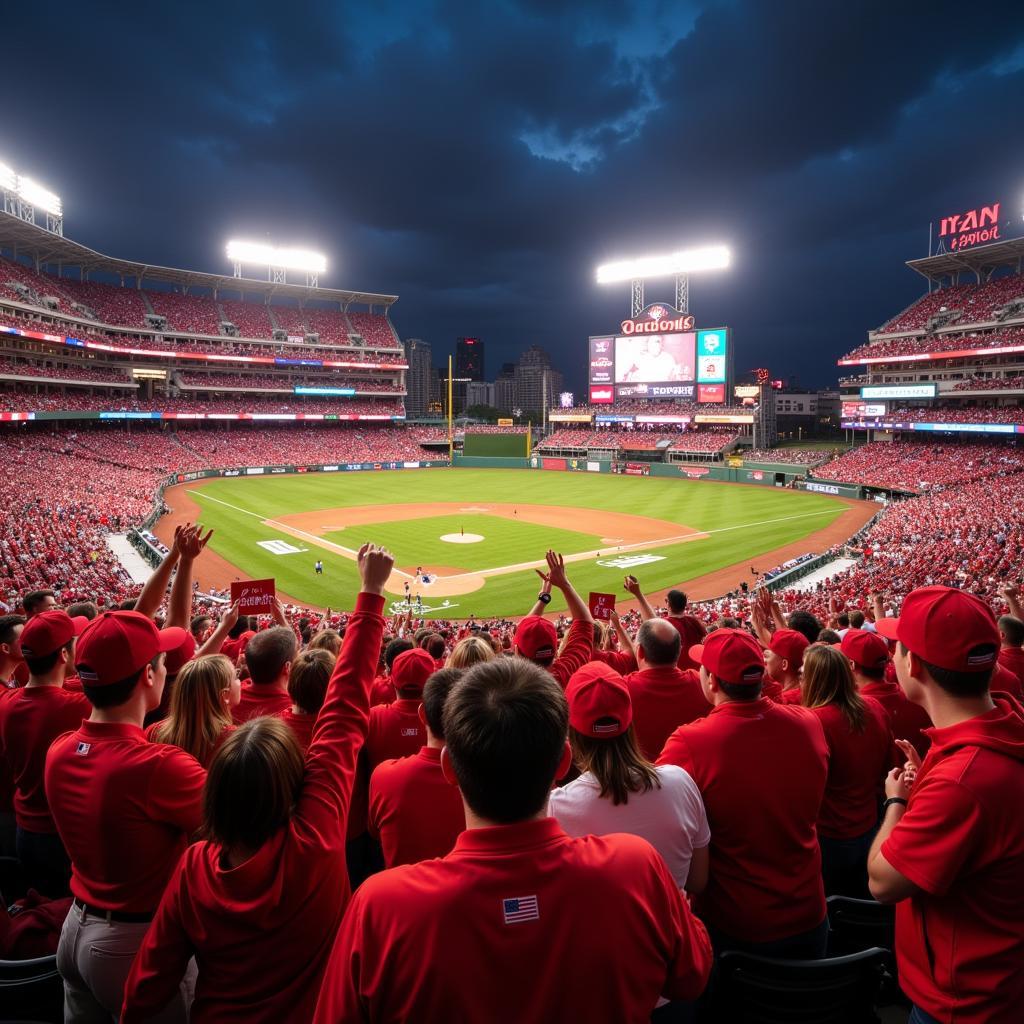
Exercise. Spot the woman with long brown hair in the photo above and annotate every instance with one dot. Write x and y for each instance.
(199, 718)
(619, 790)
(861, 752)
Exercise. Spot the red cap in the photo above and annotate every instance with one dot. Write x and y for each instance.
(945, 626)
(411, 669)
(536, 638)
(50, 631)
(868, 650)
(789, 644)
(183, 651)
(599, 703)
(118, 645)
(733, 655)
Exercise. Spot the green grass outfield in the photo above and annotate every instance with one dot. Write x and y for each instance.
(743, 522)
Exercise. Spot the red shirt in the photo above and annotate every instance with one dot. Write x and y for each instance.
(382, 691)
(790, 695)
(960, 940)
(621, 661)
(125, 810)
(260, 700)
(1004, 680)
(518, 923)
(761, 769)
(909, 720)
(395, 731)
(857, 766)
(1012, 659)
(664, 698)
(414, 811)
(301, 725)
(691, 631)
(30, 720)
(261, 932)
(578, 650)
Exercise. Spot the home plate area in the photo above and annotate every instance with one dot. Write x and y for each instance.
(462, 538)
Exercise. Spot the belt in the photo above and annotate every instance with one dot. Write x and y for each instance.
(111, 915)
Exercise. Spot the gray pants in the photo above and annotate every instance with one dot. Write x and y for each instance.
(94, 957)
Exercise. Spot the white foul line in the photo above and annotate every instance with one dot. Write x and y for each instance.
(505, 569)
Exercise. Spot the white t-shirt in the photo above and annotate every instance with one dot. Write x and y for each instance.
(671, 819)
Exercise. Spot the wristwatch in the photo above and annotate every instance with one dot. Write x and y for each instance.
(893, 800)
(544, 598)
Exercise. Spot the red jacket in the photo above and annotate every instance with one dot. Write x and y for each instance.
(414, 811)
(259, 700)
(261, 932)
(909, 721)
(578, 650)
(761, 769)
(664, 698)
(960, 939)
(518, 923)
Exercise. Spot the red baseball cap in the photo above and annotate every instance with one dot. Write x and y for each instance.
(945, 627)
(411, 669)
(182, 653)
(536, 638)
(599, 703)
(50, 631)
(733, 655)
(118, 645)
(868, 650)
(789, 644)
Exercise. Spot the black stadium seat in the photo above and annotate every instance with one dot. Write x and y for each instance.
(765, 990)
(31, 990)
(855, 925)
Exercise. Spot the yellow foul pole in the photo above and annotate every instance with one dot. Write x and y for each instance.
(451, 436)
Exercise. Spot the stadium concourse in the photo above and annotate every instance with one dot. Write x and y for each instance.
(330, 723)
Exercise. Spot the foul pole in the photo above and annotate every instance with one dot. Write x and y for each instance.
(451, 437)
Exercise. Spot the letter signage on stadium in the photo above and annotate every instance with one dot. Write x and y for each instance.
(975, 227)
(659, 319)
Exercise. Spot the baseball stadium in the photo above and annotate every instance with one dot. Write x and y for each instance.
(635, 682)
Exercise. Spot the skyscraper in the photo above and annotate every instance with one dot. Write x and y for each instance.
(536, 382)
(418, 377)
(469, 358)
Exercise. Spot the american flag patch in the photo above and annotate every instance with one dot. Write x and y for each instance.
(82, 749)
(521, 908)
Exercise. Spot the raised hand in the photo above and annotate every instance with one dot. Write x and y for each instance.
(631, 585)
(193, 542)
(556, 570)
(913, 762)
(375, 565)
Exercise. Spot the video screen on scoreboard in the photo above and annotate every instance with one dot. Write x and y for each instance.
(655, 359)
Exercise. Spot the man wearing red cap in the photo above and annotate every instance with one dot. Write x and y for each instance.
(868, 654)
(783, 659)
(125, 809)
(536, 638)
(396, 730)
(11, 661)
(765, 893)
(663, 696)
(415, 813)
(31, 718)
(519, 922)
(950, 850)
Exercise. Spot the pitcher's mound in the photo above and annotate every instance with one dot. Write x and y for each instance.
(462, 538)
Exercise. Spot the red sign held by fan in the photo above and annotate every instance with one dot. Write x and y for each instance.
(254, 597)
(601, 605)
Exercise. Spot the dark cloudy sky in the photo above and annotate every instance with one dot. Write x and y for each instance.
(479, 159)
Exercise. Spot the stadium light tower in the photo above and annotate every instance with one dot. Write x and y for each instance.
(675, 264)
(24, 197)
(277, 261)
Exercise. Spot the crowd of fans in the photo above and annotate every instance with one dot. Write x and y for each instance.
(937, 343)
(976, 303)
(785, 456)
(282, 382)
(1013, 382)
(958, 414)
(706, 439)
(74, 372)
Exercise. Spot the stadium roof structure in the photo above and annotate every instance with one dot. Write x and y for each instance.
(47, 249)
(980, 261)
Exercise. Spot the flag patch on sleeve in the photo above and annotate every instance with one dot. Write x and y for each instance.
(520, 908)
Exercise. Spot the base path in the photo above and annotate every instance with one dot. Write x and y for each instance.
(623, 530)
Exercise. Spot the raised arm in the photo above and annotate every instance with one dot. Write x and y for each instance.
(557, 578)
(545, 588)
(152, 594)
(216, 639)
(179, 609)
(625, 643)
(632, 586)
(340, 728)
(1012, 594)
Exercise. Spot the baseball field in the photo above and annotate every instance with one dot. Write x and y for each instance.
(476, 535)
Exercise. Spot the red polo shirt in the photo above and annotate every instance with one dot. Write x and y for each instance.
(395, 731)
(301, 725)
(692, 632)
(621, 661)
(790, 695)
(664, 698)
(1012, 658)
(857, 766)
(1005, 680)
(261, 932)
(260, 700)
(909, 721)
(414, 812)
(518, 923)
(960, 940)
(578, 650)
(30, 720)
(125, 809)
(761, 769)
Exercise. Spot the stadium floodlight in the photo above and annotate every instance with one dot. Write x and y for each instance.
(686, 261)
(34, 194)
(269, 256)
(8, 179)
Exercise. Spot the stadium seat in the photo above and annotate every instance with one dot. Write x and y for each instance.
(765, 990)
(31, 990)
(855, 925)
